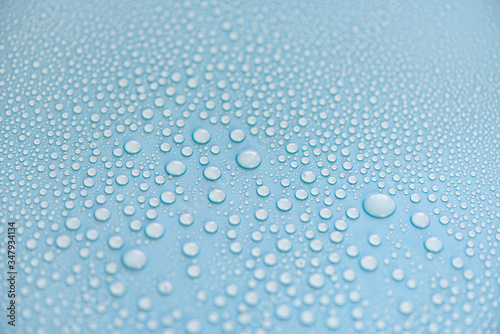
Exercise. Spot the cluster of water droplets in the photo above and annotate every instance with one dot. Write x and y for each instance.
(205, 166)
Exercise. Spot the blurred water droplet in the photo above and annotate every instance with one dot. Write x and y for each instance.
(134, 259)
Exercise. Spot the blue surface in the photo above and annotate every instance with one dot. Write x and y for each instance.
(398, 98)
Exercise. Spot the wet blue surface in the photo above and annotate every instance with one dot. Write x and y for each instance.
(304, 109)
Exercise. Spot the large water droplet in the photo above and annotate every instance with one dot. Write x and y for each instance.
(217, 196)
(368, 263)
(201, 136)
(190, 249)
(154, 230)
(248, 159)
(433, 245)
(420, 220)
(175, 168)
(237, 136)
(134, 259)
(212, 173)
(132, 147)
(73, 223)
(379, 205)
(102, 214)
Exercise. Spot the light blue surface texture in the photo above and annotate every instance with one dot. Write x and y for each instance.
(207, 166)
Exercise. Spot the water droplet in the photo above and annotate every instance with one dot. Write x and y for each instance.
(316, 281)
(211, 227)
(457, 263)
(217, 196)
(352, 213)
(398, 274)
(212, 173)
(284, 204)
(154, 230)
(201, 136)
(368, 263)
(190, 249)
(167, 197)
(433, 245)
(132, 147)
(165, 288)
(406, 308)
(379, 205)
(248, 159)
(308, 177)
(117, 289)
(284, 245)
(237, 136)
(307, 318)
(186, 219)
(73, 223)
(175, 168)
(102, 214)
(375, 240)
(134, 259)
(283, 312)
(420, 220)
(63, 241)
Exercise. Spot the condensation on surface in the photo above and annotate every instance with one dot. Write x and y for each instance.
(251, 167)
